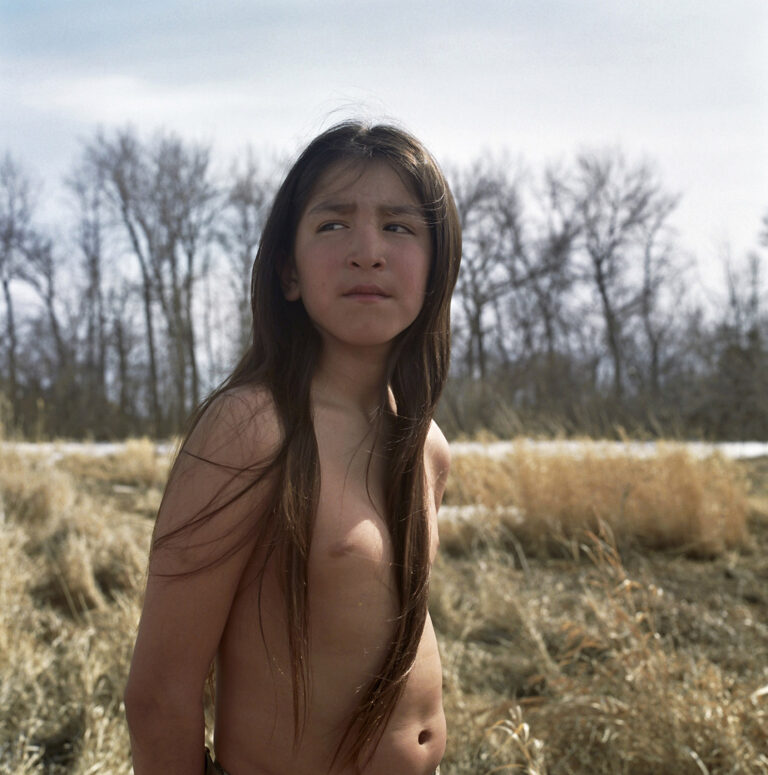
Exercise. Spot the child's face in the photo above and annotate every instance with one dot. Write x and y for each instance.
(362, 256)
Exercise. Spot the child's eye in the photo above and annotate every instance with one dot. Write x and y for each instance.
(398, 228)
(331, 226)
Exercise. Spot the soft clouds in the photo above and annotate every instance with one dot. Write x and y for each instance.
(682, 83)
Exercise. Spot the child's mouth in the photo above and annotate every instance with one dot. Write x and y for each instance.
(365, 292)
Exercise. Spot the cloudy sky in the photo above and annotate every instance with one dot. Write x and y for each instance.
(683, 83)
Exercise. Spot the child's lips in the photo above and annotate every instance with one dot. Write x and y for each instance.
(366, 292)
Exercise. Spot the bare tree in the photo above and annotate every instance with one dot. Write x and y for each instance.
(186, 203)
(88, 199)
(123, 339)
(661, 296)
(247, 207)
(39, 270)
(734, 402)
(744, 286)
(16, 235)
(547, 263)
(490, 212)
(618, 206)
(164, 199)
(120, 166)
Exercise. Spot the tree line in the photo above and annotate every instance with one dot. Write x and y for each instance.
(575, 310)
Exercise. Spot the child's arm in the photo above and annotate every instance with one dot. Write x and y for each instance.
(184, 615)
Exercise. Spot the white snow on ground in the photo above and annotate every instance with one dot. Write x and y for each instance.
(736, 449)
(729, 449)
(56, 450)
(468, 512)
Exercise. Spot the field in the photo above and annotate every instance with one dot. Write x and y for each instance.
(596, 615)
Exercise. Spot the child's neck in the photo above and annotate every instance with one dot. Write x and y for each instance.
(350, 381)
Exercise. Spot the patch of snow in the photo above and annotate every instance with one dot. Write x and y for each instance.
(468, 512)
(731, 449)
(55, 451)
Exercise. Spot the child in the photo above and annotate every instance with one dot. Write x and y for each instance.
(295, 538)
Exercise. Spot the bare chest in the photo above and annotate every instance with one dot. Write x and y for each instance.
(350, 523)
(351, 545)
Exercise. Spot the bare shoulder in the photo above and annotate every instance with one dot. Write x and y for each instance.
(437, 450)
(239, 427)
(437, 459)
(227, 453)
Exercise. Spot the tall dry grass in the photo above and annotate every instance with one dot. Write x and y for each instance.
(70, 583)
(557, 658)
(587, 669)
(138, 463)
(669, 500)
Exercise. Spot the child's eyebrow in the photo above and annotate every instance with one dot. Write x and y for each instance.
(411, 210)
(344, 208)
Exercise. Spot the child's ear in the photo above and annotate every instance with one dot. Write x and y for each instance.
(289, 281)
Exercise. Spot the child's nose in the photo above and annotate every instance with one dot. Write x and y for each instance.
(368, 249)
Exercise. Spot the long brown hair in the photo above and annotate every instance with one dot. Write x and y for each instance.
(282, 357)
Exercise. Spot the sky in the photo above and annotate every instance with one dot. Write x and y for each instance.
(682, 84)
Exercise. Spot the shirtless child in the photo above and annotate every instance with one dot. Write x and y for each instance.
(295, 538)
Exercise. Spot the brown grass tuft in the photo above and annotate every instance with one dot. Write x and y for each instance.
(669, 500)
(70, 588)
(138, 463)
(634, 705)
(32, 492)
(564, 669)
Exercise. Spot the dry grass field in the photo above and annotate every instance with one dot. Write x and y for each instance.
(596, 616)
